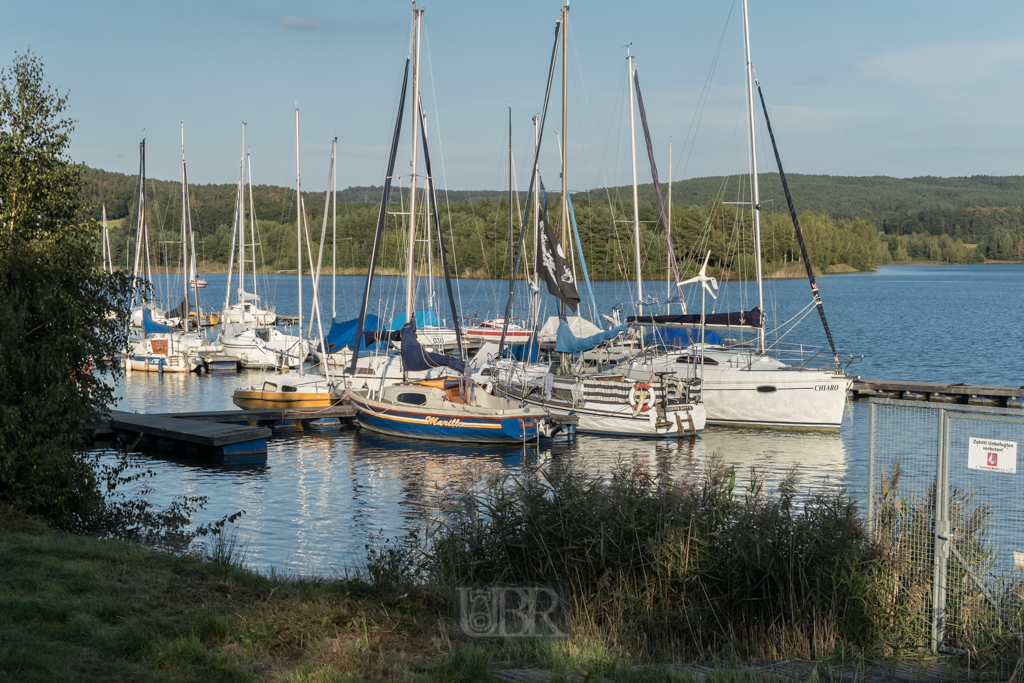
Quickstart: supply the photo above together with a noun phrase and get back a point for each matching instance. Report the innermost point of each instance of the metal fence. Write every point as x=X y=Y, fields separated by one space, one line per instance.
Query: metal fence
x=946 y=502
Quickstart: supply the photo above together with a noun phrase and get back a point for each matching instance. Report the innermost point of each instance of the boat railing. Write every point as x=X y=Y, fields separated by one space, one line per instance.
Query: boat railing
x=813 y=357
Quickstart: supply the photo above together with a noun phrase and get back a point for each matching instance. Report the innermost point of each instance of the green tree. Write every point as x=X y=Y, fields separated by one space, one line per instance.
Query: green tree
x=60 y=312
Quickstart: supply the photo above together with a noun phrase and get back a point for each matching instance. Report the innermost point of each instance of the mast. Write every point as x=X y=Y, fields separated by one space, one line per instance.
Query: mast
x=241 y=228
x=298 y=231
x=565 y=124
x=184 y=228
x=636 y=203
x=510 y=218
x=252 y=227
x=536 y=228
x=140 y=218
x=668 y=225
x=108 y=256
x=334 y=238
x=410 y=268
x=234 y=234
x=755 y=198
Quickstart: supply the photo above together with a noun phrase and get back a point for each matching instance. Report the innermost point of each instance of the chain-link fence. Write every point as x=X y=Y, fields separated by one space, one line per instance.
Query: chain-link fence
x=947 y=507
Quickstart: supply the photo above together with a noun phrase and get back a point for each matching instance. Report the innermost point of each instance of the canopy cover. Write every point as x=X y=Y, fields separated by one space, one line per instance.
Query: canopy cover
x=751 y=318
x=343 y=334
x=150 y=327
x=415 y=358
x=569 y=343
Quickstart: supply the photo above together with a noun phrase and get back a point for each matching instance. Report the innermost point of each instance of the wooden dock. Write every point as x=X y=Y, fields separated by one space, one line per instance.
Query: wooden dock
x=232 y=436
x=935 y=392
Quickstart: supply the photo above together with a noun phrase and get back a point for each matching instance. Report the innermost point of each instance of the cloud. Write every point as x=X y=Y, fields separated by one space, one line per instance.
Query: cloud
x=298 y=22
x=950 y=69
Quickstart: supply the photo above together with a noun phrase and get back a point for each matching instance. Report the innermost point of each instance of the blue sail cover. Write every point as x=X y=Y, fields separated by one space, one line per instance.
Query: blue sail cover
x=567 y=342
x=344 y=333
x=679 y=338
x=415 y=358
x=150 y=327
x=423 y=319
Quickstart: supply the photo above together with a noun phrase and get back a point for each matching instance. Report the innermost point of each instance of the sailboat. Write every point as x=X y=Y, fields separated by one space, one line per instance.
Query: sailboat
x=162 y=348
x=248 y=332
x=752 y=385
x=294 y=388
x=443 y=409
x=625 y=401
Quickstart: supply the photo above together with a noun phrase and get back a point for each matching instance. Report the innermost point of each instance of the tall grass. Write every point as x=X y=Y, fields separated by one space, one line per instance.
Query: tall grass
x=694 y=567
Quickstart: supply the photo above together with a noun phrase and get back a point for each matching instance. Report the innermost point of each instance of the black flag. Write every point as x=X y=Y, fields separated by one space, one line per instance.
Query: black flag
x=556 y=271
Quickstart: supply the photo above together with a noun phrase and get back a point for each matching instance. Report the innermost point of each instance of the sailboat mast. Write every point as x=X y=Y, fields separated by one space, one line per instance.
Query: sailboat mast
x=139 y=219
x=298 y=230
x=511 y=257
x=668 y=276
x=636 y=203
x=755 y=197
x=241 y=227
x=184 y=228
x=252 y=226
x=565 y=137
x=536 y=227
x=108 y=258
x=334 y=237
x=410 y=268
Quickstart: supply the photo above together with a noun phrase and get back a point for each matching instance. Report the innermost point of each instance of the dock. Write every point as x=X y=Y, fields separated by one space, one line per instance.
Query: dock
x=936 y=392
x=231 y=436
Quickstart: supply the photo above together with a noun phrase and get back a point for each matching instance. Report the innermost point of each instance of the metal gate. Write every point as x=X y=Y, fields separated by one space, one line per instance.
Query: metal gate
x=946 y=503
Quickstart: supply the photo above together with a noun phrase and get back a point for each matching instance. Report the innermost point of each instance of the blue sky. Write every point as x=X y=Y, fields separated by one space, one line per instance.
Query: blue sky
x=865 y=88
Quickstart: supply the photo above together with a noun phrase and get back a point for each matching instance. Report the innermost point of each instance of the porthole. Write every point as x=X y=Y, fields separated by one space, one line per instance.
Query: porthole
x=766 y=389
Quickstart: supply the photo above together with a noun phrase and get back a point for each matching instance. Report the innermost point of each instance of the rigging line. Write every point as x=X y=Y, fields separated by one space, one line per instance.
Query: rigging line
x=698 y=114
x=796 y=227
x=444 y=175
x=529 y=195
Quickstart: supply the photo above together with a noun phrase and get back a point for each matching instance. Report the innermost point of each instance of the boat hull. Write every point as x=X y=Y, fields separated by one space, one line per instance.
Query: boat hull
x=173 y=363
x=276 y=400
x=445 y=425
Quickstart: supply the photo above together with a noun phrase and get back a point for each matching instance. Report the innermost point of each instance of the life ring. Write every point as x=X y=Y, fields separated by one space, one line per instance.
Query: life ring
x=641 y=398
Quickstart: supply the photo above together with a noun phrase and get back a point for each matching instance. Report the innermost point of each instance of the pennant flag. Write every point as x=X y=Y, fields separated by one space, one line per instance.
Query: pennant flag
x=557 y=274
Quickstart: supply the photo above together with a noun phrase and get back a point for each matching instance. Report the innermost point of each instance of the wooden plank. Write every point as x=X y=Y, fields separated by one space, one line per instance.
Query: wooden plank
x=210 y=434
x=344 y=410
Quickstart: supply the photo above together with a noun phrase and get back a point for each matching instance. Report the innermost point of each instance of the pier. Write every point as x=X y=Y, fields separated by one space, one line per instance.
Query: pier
x=937 y=392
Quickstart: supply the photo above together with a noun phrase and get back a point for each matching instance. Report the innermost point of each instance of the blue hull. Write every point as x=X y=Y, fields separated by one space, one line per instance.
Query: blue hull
x=425 y=425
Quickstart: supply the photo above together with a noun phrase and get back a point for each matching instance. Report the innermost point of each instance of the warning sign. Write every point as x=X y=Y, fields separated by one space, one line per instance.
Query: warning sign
x=992 y=454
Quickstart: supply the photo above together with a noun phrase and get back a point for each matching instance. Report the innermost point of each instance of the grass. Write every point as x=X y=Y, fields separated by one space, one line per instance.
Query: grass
x=660 y=572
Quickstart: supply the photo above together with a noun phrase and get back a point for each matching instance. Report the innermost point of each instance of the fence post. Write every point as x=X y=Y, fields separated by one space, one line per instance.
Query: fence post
x=871 y=470
x=941 y=546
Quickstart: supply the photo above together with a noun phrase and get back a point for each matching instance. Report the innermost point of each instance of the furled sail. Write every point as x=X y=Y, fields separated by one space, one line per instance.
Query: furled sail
x=567 y=342
x=751 y=318
x=415 y=358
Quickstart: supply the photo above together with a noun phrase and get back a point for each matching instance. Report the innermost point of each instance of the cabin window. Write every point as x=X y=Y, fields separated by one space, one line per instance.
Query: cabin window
x=291 y=389
x=364 y=371
x=263 y=334
x=269 y=386
x=766 y=389
x=412 y=399
x=486 y=372
x=696 y=360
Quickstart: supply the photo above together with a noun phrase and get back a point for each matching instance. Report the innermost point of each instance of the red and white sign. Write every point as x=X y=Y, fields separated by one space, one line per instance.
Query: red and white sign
x=992 y=455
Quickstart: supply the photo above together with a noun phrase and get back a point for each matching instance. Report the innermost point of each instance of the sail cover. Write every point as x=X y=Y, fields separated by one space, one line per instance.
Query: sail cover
x=557 y=274
x=150 y=327
x=569 y=343
x=423 y=319
x=181 y=310
x=751 y=318
x=415 y=358
x=344 y=333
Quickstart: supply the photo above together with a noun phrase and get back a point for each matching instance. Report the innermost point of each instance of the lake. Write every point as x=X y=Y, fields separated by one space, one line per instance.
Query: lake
x=321 y=496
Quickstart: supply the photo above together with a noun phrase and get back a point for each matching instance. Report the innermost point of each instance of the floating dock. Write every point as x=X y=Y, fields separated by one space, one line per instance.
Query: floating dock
x=230 y=442
x=936 y=392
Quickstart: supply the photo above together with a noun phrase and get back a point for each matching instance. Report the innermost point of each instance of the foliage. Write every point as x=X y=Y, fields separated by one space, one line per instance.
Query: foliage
x=61 y=317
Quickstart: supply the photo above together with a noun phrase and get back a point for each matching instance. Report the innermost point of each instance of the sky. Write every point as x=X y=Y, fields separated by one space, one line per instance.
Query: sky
x=853 y=88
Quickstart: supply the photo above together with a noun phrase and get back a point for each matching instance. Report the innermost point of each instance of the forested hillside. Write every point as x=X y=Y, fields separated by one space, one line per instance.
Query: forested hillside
x=855 y=222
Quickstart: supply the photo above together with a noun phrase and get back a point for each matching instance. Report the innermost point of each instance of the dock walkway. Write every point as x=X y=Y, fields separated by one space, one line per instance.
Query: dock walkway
x=937 y=392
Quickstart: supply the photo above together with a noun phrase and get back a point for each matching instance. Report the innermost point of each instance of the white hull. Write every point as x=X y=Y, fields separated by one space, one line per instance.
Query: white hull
x=177 y=362
x=277 y=350
x=746 y=390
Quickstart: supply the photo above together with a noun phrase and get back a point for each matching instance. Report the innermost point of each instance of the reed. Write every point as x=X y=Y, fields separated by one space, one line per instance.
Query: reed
x=691 y=568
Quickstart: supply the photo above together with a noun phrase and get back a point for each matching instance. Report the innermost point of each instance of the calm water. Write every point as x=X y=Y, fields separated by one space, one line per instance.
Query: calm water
x=319 y=498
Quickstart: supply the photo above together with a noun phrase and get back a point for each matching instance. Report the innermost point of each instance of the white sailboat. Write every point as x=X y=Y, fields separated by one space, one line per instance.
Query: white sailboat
x=247 y=328
x=757 y=385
